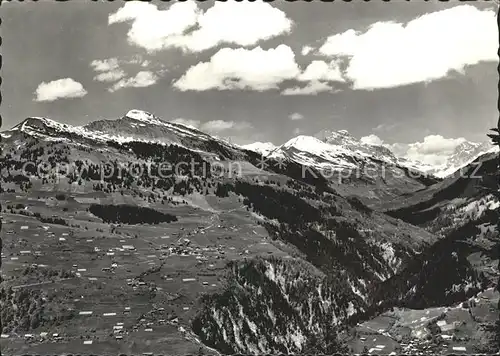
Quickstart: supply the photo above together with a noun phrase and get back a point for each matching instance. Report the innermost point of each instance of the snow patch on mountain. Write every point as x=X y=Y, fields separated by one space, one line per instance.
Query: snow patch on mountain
x=264 y=148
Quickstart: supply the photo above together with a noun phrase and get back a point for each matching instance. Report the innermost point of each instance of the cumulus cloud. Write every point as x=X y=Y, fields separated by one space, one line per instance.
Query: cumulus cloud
x=392 y=54
x=217 y=126
x=187 y=122
x=312 y=88
x=184 y=25
x=111 y=76
x=372 y=140
x=296 y=116
x=433 y=150
x=140 y=80
x=306 y=50
x=104 y=65
x=59 y=89
x=320 y=70
x=255 y=69
x=435 y=145
x=110 y=70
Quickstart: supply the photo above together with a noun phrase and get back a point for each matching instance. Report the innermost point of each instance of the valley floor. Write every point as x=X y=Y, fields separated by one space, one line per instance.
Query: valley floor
x=129 y=288
x=102 y=288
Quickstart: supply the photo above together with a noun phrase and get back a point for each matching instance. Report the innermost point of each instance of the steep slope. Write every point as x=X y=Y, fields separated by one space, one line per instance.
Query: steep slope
x=462 y=211
x=342 y=138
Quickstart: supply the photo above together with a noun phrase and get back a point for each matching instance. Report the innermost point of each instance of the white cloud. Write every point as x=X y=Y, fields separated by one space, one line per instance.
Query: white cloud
x=104 y=65
x=312 y=88
x=320 y=70
x=372 y=140
x=306 y=50
x=140 y=80
x=255 y=69
x=436 y=144
x=111 y=76
x=152 y=28
x=216 y=126
x=433 y=150
x=59 y=89
x=187 y=122
x=184 y=25
x=296 y=116
x=392 y=54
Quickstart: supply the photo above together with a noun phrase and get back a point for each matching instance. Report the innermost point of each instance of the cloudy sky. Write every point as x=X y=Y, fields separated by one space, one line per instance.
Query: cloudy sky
x=398 y=72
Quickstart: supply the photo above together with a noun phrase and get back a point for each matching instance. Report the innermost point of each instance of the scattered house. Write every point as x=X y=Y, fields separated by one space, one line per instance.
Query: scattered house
x=447 y=327
x=87 y=342
x=118 y=327
x=188 y=279
x=205 y=283
x=459 y=348
x=148 y=329
x=82 y=270
x=55 y=335
x=128 y=247
x=127 y=309
x=43 y=334
x=92 y=279
x=29 y=336
x=14 y=258
x=110 y=253
x=24 y=227
x=62 y=239
x=185 y=308
x=85 y=313
x=108 y=314
x=114 y=265
x=4 y=336
x=441 y=323
x=118 y=337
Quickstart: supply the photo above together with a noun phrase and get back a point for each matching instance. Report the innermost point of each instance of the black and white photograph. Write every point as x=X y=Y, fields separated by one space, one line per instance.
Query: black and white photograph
x=249 y=177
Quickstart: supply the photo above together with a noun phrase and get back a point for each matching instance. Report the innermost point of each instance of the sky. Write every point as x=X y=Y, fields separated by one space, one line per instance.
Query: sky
x=401 y=73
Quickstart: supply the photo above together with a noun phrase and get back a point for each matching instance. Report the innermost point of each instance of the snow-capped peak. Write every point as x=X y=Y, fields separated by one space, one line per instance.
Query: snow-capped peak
x=264 y=148
x=144 y=116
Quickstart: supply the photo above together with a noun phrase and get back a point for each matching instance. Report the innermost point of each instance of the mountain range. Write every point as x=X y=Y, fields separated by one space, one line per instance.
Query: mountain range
x=302 y=247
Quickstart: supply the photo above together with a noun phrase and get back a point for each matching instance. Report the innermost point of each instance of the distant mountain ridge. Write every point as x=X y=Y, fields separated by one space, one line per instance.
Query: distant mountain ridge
x=341 y=141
